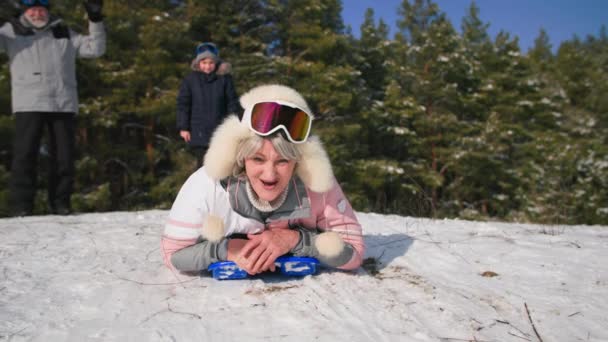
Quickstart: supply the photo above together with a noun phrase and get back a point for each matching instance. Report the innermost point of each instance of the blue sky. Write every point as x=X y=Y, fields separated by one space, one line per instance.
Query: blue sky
x=523 y=18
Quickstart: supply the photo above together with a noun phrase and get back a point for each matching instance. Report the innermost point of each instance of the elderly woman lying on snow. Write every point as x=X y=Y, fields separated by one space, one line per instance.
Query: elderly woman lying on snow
x=266 y=189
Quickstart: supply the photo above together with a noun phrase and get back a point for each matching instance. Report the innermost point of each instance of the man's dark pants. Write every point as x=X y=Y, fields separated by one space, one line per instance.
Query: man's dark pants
x=29 y=127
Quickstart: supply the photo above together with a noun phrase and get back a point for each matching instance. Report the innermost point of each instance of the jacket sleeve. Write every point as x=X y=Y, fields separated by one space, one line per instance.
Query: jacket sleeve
x=335 y=214
x=184 y=106
x=4 y=36
x=91 y=45
x=233 y=105
x=185 y=220
x=199 y=256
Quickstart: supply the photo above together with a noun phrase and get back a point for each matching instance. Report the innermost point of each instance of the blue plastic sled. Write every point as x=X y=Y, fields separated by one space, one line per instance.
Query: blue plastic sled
x=286 y=265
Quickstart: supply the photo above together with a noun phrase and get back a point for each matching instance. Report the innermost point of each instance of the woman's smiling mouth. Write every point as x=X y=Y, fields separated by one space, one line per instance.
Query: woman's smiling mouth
x=269 y=185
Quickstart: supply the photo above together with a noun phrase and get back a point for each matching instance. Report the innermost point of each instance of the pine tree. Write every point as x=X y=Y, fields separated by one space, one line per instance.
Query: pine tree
x=540 y=54
x=417 y=19
x=578 y=163
x=373 y=48
x=597 y=100
x=574 y=69
x=310 y=47
x=412 y=129
x=474 y=30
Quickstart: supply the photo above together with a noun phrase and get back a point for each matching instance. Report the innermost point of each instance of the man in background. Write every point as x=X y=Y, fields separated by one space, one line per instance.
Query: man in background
x=42 y=54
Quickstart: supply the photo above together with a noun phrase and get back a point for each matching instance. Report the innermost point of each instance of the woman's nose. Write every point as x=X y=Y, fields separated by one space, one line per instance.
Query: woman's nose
x=269 y=171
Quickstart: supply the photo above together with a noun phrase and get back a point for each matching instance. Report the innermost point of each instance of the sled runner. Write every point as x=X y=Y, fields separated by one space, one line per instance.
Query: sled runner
x=286 y=265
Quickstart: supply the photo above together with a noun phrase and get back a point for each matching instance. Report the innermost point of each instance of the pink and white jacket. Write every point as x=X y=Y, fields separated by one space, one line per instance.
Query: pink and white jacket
x=201 y=196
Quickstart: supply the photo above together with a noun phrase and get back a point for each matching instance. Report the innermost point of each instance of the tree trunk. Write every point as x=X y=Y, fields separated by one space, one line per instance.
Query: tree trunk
x=434 y=166
x=149 y=143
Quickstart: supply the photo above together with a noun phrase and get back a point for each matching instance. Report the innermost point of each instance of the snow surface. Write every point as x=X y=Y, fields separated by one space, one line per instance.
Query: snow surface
x=99 y=277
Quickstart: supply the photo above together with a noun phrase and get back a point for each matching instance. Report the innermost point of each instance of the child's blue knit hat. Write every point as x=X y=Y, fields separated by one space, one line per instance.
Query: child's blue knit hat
x=206 y=50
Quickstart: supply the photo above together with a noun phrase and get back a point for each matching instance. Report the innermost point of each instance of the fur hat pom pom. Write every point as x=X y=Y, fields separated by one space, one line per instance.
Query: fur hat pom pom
x=329 y=244
x=213 y=228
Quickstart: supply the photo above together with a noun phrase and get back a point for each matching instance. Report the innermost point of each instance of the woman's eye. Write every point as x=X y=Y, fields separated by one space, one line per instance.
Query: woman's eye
x=258 y=159
x=283 y=161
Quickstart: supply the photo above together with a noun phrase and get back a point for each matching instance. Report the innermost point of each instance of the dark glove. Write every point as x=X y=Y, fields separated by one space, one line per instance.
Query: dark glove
x=93 y=8
x=9 y=9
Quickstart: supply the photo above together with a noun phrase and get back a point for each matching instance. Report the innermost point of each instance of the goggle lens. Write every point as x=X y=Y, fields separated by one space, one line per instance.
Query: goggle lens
x=268 y=117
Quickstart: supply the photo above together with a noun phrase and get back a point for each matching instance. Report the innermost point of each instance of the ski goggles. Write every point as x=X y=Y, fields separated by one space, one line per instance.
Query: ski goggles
x=266 y=118
x=34 y=2
x=203 y=47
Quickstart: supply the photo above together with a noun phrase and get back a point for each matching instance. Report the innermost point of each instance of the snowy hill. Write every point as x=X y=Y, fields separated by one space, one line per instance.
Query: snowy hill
x=99 y=277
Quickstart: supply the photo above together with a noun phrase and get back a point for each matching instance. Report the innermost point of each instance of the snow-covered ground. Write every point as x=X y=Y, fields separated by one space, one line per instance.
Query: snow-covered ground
x=99 y=277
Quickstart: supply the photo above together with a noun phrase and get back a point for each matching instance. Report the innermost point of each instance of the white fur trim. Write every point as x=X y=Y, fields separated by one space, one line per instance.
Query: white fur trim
x=329 y=244
x=221 y=155
x=315 y=168
x=224 y=68
x=273 y=92
x=213 y=228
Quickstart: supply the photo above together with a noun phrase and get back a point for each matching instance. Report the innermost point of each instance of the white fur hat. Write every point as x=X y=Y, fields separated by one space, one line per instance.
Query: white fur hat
x=271 y=93
x=314 y=168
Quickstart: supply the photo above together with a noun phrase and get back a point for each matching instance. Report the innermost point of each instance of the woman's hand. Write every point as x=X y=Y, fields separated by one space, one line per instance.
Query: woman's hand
x=185 y=135
x=259 y=253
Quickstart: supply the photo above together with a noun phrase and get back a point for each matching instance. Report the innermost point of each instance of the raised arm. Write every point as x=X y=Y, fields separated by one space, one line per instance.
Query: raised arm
x=94 y=44
x=9 y=10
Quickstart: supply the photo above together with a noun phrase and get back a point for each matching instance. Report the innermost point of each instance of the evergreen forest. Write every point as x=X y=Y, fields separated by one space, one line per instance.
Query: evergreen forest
x=437 y=120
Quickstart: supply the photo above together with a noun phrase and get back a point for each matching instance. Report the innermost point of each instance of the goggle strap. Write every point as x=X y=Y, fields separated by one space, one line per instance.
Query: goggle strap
x=283 y=131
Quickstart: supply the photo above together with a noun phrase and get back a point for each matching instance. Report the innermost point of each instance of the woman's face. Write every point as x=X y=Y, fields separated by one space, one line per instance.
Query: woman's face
x=37 y=16
x=268 y=172
x=206 y=65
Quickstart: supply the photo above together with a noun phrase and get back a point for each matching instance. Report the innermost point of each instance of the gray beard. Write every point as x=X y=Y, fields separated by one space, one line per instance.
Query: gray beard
x=25 y=21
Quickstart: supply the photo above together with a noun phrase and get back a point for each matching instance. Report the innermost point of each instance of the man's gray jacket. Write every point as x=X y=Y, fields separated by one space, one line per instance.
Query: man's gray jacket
x=43 y=65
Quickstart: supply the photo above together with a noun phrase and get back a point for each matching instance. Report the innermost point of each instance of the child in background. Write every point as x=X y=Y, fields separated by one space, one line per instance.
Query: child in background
x=206 y=96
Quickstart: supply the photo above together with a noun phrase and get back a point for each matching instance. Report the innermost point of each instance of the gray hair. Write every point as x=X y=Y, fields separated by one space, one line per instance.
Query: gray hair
x=251 y=145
